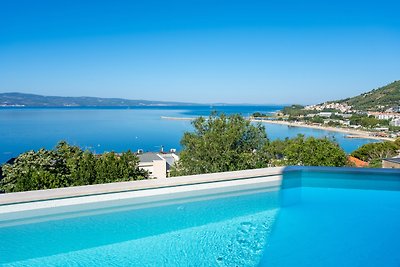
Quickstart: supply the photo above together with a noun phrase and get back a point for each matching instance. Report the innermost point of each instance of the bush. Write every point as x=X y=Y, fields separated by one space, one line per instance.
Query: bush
x=371 y=151
x=221 y=143
x=68 y=166
x=313 y=152
x=229 y=143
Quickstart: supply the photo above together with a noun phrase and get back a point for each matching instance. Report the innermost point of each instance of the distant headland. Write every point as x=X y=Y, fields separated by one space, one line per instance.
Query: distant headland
x=33 y=100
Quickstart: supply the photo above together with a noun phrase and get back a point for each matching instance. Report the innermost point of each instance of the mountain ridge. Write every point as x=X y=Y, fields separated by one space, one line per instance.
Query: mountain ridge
x=381 y=98
x=10 y=99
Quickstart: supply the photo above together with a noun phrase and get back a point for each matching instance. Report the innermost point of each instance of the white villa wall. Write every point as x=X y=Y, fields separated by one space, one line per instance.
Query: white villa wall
x=160 y=169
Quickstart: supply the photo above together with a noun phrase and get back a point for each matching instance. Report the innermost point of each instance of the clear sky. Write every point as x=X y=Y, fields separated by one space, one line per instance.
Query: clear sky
x=281 y=51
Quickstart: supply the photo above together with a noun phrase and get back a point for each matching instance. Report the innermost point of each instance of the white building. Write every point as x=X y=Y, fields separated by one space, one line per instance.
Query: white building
x=384 y=115
x=345 y=115
x=355 y=126
x=157 y=164
x=346 y=122
x=395 y=122
x=382 y=129
x=343 y=107
x=325 y=114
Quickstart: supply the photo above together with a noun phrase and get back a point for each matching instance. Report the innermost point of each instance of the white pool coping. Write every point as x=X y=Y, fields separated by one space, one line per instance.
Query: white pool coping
x=25 y=205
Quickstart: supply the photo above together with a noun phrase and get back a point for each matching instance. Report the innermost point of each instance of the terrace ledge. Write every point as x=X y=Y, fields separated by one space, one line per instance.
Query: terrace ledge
x=121 y=187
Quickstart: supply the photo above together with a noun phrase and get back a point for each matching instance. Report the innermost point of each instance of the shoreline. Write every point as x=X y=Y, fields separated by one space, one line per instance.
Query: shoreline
x=352 y=133
x=177 y=118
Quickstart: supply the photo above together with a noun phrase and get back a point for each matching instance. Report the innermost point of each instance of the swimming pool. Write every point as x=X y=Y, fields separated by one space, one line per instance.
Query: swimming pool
x=315 y=217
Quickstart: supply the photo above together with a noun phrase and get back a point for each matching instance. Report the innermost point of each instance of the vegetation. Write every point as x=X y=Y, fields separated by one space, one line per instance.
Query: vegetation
x=229 y=143
x=309 y=151
x=397 y=142
x=375 y=152
x=334 y=124
x=260 y=115
x=377 y=99
x=294 y=110
x=375 y=163
x=367 y=121
x=68 y=166
x=317 y=119
x=221 y=143
x=394 y=128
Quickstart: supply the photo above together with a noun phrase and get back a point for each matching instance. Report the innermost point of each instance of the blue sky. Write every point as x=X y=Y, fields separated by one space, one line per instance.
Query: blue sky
x=200 y=51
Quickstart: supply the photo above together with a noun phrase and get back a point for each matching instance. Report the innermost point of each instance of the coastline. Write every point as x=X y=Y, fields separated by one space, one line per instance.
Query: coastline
x=177 y=118
x=352 y=133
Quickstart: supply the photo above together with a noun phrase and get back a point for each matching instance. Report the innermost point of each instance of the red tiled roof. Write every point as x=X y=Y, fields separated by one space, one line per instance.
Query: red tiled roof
x=358 y=162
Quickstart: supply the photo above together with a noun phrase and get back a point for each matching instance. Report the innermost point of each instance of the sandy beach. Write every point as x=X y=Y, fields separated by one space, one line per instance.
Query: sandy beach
x=353 y=133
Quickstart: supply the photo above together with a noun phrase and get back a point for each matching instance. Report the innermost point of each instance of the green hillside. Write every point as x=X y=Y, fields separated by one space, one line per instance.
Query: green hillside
x=378 y=99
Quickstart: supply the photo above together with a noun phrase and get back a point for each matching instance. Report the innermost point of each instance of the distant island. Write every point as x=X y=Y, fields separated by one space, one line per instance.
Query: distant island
x=32 y=100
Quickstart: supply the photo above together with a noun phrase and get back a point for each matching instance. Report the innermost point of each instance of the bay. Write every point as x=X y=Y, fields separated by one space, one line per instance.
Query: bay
x=120 y=129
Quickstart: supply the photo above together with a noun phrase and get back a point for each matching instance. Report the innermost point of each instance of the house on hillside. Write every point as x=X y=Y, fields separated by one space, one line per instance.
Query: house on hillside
x=325 y=114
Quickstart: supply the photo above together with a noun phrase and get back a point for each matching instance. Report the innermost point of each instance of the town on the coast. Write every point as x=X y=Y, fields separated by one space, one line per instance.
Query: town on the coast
x=375 y=115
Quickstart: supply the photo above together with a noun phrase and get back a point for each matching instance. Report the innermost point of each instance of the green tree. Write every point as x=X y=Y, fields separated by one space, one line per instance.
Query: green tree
x=258 y=114
x=68 y=166
x=274 y=152
x=397 y=143
x=376 y=151
x=333 y=123
x=83 y=170
x=294 y=110
x=111 y=167
x=367 y=121
x=313 y=152
x=221 y=143
x=35 y=170
x=317 y=119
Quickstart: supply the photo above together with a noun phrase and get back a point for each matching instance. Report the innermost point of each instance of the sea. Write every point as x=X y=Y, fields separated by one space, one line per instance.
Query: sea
x=129 y=128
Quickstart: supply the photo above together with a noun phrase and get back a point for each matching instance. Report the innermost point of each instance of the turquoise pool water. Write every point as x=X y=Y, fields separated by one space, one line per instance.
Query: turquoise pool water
x=346 y=224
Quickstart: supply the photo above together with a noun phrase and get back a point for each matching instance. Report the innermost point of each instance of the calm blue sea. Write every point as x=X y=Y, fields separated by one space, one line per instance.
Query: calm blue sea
x=120 y=129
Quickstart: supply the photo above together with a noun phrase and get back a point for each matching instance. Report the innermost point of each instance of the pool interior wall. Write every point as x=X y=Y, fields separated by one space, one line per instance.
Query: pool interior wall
x=27 y=207
x=318 y=216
